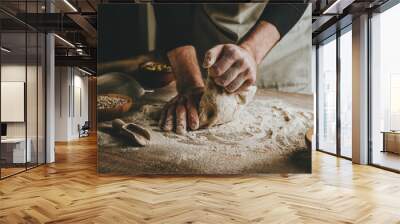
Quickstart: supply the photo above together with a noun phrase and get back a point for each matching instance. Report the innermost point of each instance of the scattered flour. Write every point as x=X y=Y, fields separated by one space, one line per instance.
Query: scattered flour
x=266 y=133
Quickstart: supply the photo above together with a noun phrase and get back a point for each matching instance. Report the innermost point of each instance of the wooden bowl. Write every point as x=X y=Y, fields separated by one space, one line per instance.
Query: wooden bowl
x=110 y=106
x=119 y=83
x=154 y=75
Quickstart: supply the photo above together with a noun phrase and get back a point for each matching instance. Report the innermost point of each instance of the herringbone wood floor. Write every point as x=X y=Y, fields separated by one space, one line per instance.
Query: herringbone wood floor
x=70 y=191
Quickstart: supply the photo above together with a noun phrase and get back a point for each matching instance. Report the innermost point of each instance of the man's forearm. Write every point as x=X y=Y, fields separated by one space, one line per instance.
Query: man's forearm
x=186 y=69
x=261 y=40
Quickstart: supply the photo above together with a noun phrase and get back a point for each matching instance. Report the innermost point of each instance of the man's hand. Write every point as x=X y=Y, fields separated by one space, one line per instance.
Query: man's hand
x=181 y=113
x=234 y=66
x=231 y=66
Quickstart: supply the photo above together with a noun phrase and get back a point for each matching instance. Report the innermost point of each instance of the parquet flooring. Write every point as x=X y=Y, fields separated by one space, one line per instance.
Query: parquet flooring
x=70 y=191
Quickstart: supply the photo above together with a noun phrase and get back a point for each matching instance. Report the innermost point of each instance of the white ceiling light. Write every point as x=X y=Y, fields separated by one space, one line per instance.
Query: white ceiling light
x=329 y=9
x=84 y=71
x=70 y=5
x=337 y=7
x=5 y=50
x=65 y=41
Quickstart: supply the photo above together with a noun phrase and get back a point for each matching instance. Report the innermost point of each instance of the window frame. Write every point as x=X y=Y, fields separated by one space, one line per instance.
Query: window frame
x=334 y=37
x=27 y=29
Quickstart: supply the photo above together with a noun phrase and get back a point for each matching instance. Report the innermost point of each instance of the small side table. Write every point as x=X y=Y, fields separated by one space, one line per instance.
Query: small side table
x=13 y=150
x=391 y=141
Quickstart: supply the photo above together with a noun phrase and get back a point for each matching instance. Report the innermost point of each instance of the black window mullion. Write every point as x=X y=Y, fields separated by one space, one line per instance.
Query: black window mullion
x=45 y=92
x=26 y=86
x=0 y=99
x=37 y=89
x=317 y=96
x=369 y=77
x=338 y=82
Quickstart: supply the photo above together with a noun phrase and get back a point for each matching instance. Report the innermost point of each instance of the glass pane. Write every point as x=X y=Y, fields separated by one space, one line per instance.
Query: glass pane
x=31 y=86
x=346 y=94
x=327 y=97
x=31 y=97
x=13 y=85
x=386 y=89
x=41 y=99
x=23 y=82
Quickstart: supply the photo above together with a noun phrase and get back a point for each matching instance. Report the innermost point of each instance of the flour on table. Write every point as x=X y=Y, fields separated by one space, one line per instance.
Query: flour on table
x=263 y=138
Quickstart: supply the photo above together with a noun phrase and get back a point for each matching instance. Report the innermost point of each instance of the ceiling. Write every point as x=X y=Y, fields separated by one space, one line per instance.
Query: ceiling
x=76 y=22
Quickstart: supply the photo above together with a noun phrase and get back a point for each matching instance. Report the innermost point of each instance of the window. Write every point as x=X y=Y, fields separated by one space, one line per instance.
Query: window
x=333 y=137
x=385 y=89
x=346 y=93
x=22 y=75
x=327 y=96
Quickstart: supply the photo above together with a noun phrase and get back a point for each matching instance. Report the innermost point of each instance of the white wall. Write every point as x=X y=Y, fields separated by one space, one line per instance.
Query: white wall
x=62 y=81
x=34 y=126
x=16 y=73
x=79 y=117
x=9 y=73
x=70 y=83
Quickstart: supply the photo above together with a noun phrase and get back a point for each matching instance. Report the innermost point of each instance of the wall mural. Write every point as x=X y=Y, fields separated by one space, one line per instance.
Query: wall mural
x=204 y=89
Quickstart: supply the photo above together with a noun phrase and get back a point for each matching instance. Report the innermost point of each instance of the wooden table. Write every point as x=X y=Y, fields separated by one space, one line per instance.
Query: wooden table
x=169 y=154
x=391 y=141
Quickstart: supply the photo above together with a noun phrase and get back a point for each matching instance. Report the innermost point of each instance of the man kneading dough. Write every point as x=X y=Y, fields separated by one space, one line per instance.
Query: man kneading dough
x=233 y=39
